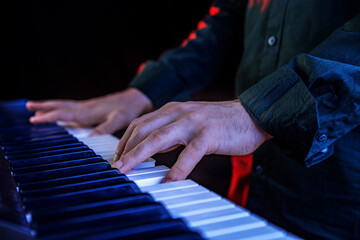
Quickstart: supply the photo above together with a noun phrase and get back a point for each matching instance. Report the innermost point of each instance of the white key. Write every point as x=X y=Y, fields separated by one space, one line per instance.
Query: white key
x=148 y=179
x=190 y=200
x=216 y=216
x=78 y=132
x=177 y=193
x=155 y=169
x=231 y=226
x=149 y=163
x=169 y=186
x=263 y=233
x=200 y=208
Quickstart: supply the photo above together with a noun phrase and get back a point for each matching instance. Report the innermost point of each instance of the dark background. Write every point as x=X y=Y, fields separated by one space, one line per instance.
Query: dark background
x=82 y=49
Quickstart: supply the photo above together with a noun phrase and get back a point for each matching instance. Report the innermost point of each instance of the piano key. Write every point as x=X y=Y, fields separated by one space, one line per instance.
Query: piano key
x=82 y=196
x=52 y=158
x=181 y=192
x=25 y=127
x=42 y=149
x=31 y=136
x=56 y=165
x=73 y=187
x=61 y=172
x=48 y=152
x=155 y=230
x=216 y=216
x=25 y=146
x=264 y=233
x=38 y=139
x=28 y=133
x=114 y=219
x=231 y=226
x=136 y=172
x=195 y=209
x=190 y=200
x=90 y=208
x=58 y=181
x=169 y=186
x=148 y=179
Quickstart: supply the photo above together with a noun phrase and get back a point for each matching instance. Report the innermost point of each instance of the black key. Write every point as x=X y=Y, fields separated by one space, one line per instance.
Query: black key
x=73 y=187
x=51 y=159
x=123 y=218
x=30 y=136
x=25 y=146
x=70 y=179
x=48 y=153
x=38 y=139
x=57 y=165
x=140 y=232
x=82 y=196
x=58 y=214
x=61 y=172
x=43 y=149
x=181 y=236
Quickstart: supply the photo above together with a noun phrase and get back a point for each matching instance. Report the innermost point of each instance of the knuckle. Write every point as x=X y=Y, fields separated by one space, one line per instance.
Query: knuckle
x=178 y=106
x=138 y=130
x=195 y=117
x=134 y=123
x=159 y=134
x=170 y=104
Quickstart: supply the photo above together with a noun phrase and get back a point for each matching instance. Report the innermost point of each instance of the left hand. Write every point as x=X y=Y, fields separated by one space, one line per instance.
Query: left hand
x=202 y=127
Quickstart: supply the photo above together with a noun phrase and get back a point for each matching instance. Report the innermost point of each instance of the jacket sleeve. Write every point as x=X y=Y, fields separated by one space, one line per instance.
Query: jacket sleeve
x=314 y=100
x=186 y=69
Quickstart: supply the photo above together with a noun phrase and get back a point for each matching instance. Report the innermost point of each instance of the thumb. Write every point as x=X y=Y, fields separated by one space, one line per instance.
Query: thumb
x=53 y=116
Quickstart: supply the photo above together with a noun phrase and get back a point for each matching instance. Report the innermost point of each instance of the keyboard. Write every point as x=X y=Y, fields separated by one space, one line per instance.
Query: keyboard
x=57 y=183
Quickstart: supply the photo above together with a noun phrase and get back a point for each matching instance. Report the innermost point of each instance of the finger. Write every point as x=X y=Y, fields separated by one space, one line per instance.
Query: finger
x=159 y=140
x=53 y=116
x=139 y=129
x=111 y=125
x=48 y=105
x=147 y=127
x=186 y=161
x=39 y=113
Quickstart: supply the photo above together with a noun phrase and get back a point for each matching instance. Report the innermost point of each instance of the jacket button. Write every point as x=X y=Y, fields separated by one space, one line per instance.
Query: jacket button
x=322 y=138
x=259 y=169
x=271 y=41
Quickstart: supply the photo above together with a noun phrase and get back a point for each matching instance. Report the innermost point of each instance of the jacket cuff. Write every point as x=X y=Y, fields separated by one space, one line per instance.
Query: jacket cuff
x=151 y=82
x=283 y=107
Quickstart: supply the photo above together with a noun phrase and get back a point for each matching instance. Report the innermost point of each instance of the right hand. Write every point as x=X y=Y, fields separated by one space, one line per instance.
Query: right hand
x=111 y=112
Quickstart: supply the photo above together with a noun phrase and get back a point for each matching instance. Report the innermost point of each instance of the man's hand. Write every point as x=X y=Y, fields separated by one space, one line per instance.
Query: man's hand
x=112 y=112
x=202 y=127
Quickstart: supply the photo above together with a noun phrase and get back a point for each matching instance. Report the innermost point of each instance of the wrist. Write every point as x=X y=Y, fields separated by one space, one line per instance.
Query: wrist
x=139 y=100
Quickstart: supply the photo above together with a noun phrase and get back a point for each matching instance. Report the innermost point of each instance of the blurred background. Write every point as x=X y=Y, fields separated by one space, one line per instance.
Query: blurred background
x=82 y=49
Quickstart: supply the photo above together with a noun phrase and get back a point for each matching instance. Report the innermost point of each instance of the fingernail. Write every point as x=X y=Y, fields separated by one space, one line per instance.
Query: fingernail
x=117 y=164
x=116 y=157
x=166 y=180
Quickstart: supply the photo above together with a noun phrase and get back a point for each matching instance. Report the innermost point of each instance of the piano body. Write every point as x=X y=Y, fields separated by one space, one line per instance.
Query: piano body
x=57 y=183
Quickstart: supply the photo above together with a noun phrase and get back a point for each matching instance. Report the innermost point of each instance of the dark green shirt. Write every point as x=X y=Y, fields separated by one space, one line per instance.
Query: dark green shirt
x=299 y=78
